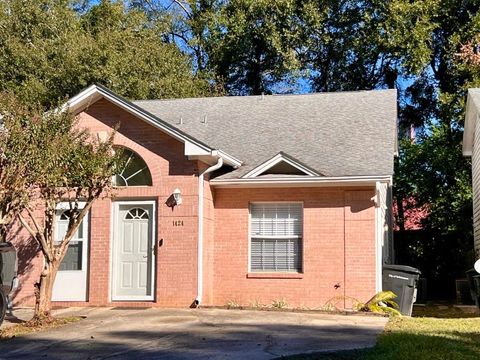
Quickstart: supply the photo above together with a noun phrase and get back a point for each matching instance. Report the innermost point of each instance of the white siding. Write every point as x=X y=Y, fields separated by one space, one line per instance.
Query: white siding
x=383 y=229
x=384 y=191
x=476 y=188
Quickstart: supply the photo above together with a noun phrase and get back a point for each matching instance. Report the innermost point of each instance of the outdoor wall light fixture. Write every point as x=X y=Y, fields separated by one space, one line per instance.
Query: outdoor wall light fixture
x=177 y=196
x=174 y=199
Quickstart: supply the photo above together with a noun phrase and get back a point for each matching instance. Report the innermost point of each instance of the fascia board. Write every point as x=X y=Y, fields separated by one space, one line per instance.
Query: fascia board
x=313 y=181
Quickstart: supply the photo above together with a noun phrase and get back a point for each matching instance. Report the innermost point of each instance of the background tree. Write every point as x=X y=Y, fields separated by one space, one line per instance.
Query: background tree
x=248 y=46
x=432 y=168
x=252 y=45
x=359 y=45
x=48 y=51
x=291 y=46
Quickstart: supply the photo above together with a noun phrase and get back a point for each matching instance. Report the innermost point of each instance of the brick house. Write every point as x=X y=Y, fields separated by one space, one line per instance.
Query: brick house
x=233 y=199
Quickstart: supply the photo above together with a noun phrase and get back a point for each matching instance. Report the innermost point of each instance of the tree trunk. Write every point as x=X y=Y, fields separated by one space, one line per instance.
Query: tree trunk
x=43 y=292
x=400 y=214
x=3 y=233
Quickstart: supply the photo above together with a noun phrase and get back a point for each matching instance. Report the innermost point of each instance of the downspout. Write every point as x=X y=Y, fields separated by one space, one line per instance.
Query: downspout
x=378 y=237
x=218 y=165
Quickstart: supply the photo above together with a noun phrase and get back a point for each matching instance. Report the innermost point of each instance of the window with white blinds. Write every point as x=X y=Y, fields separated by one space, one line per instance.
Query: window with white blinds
x=276 y=233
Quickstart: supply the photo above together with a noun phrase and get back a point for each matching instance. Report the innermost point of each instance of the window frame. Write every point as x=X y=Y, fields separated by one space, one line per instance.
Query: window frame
x=135 y=153
x=62 y=207
x=256 y=273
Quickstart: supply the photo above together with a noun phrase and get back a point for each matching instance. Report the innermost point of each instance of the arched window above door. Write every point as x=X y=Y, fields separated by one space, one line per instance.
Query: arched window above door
x=136 y=214
x=133 y=171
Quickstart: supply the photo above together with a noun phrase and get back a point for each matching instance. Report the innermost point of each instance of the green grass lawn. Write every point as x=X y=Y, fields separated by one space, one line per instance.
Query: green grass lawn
x=425 y=338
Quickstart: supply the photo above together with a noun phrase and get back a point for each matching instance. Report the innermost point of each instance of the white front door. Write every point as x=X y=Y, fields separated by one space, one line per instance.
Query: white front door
x=133 y=252
x=71 y=281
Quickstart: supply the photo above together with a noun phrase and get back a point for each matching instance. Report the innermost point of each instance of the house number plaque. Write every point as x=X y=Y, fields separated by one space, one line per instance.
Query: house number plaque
x=177 y=222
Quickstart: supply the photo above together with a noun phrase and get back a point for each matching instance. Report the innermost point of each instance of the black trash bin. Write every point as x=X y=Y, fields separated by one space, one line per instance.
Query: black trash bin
x=473 y=278
x=402 y=281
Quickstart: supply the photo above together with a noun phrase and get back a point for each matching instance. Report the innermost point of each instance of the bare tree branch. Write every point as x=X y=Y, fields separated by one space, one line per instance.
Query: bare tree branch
x=37 y=236
x=184 y=8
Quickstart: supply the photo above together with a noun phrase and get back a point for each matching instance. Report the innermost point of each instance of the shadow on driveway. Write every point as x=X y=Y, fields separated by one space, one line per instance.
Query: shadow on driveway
x=194 y=334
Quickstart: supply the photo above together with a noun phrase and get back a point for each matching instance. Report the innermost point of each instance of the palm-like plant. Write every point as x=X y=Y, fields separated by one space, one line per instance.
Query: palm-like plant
x=382 y=303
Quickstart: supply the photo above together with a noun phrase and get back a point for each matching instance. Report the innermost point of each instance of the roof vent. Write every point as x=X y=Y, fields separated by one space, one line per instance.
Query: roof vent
x=204 y=121
x=181 y=121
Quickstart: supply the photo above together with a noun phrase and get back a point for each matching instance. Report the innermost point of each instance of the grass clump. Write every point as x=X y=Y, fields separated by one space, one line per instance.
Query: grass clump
x=233 y=304
x=280 y=303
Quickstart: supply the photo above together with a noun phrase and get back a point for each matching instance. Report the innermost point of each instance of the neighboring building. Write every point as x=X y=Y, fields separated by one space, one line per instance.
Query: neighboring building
x=278 y=197
x=471 y=148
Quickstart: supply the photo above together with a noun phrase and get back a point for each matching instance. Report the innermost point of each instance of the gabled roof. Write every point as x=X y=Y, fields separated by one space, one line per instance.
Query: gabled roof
x=471 y=115
x=333 y=134
x=281 y=164
x=193 y=146
x=326 y=135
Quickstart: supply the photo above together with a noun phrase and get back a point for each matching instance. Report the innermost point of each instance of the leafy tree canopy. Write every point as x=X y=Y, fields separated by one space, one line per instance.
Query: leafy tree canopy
x=49 y=51
x=254 y=46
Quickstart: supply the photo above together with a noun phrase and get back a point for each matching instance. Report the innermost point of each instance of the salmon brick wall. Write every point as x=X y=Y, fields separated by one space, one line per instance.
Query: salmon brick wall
x=30 y=262
x=176 y=265
x=338 y=243
x=208 y=243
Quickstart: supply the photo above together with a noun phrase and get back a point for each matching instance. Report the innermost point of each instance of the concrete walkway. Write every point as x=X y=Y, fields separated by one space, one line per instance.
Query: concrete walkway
x=119 y=333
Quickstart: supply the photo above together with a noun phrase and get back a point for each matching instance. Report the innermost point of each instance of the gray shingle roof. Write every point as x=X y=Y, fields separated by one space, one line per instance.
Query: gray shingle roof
x=336 y=134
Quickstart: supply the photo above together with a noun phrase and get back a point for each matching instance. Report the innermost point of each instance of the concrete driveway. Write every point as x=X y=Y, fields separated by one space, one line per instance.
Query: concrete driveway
x=119 y=333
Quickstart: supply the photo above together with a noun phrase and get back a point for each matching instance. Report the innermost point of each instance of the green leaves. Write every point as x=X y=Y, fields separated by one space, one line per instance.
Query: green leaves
x=14 y=161
x=252 y=45
x=382 y=302
x=256 y=46
x=53 y=157
x=49 y=52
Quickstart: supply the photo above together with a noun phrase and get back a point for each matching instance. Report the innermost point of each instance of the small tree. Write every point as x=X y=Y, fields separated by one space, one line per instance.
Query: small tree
x=63 y=164
x=15 y=149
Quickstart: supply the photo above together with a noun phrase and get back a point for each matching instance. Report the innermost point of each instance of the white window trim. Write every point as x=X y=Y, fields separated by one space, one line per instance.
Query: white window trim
x=65 y=205
x=133 y=153
x=307 y=181
x=249 y=267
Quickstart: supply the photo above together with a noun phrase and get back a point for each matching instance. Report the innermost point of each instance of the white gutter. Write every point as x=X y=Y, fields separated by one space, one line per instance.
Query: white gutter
x=228 y=159
x=301 y=181
x=218 y=165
